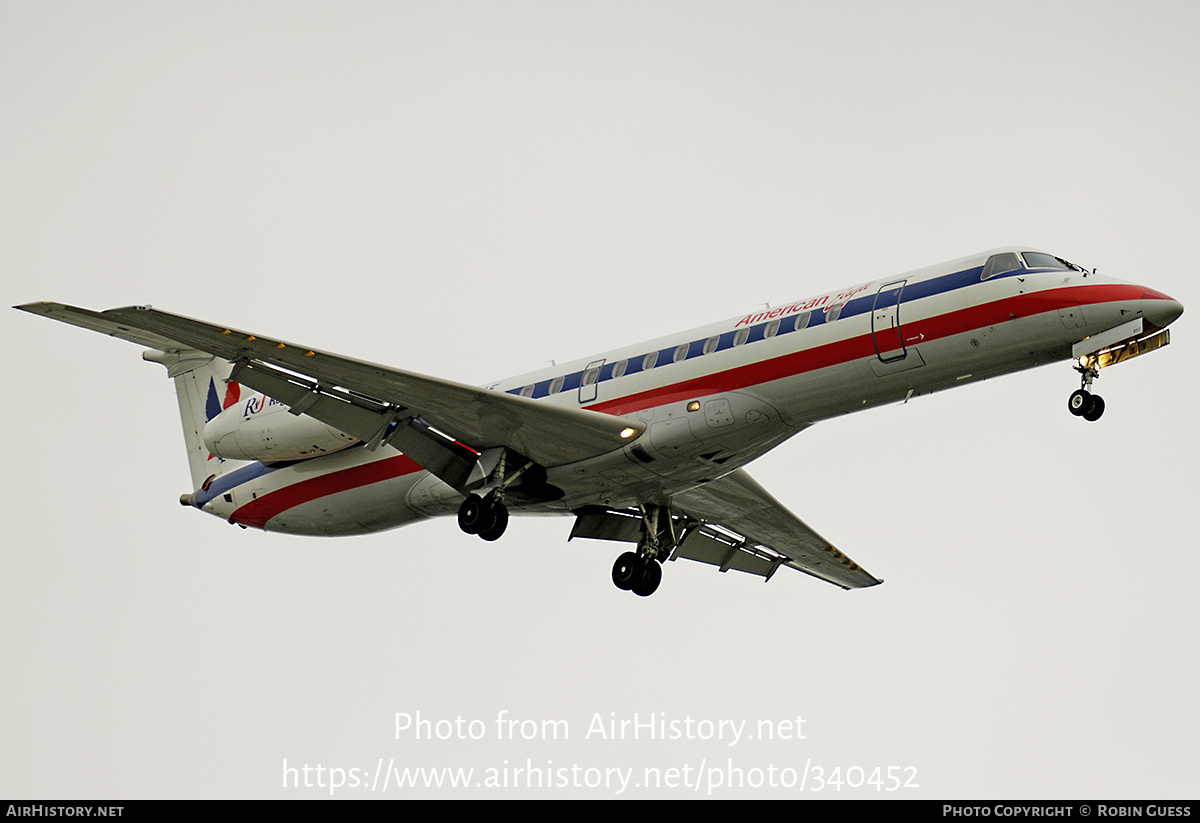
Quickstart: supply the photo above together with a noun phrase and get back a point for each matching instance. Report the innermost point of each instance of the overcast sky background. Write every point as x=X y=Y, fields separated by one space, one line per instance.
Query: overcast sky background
x=471 y=189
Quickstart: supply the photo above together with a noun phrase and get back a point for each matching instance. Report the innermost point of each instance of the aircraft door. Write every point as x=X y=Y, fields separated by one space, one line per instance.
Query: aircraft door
x=589 y=381
x=885 y=322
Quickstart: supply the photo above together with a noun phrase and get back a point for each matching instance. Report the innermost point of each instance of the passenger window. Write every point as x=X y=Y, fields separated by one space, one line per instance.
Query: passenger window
x=556 y=385
x=710 y=345
x=589 y=376
x=619 y=369
x=999 y=264
x=833 y=312
x=527 y=391
x=802 y=320
x=650 y=361
x=681 y=352
x=772 y=329
x=740 y=337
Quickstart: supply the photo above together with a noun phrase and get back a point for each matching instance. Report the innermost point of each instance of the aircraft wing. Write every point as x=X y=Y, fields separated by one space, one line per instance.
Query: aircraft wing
x=101 y=322
x=747 y=529
x=372 y=402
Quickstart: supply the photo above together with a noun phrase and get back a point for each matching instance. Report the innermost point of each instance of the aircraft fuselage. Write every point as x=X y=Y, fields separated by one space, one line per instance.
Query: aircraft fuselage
x=717 y=397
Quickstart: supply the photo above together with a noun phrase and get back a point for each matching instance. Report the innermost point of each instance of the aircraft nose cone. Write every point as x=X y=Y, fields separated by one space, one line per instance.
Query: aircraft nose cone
x=1161 y=310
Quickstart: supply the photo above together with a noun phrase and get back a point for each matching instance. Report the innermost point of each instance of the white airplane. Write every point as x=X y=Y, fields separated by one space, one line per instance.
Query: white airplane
x=645 y=444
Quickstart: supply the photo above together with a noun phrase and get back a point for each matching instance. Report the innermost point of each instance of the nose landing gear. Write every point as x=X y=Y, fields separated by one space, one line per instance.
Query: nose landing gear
x=1082 y=403
x=1086 y=405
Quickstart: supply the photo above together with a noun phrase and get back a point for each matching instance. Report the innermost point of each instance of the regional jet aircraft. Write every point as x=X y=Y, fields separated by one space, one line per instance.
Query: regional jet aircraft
x=646 y=444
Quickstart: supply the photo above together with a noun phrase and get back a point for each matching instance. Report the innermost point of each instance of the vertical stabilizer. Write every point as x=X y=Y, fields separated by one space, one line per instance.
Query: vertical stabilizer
x=203 y=389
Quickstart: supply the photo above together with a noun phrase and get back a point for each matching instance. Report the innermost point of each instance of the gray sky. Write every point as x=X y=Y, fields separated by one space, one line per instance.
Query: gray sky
x=472 y=189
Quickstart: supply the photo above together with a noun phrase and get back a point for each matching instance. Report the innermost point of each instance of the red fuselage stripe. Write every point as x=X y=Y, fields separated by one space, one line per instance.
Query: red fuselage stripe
x=259 y=511
x=853 y=348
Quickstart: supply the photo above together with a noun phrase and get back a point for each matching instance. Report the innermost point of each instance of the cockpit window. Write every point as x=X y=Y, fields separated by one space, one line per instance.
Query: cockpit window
x=1041 y=260
x=1000 y=263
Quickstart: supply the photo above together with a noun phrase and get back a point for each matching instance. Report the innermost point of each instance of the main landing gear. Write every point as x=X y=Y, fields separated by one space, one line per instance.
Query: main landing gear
x=484 y=516
x=1082 y=403
x=640 y=572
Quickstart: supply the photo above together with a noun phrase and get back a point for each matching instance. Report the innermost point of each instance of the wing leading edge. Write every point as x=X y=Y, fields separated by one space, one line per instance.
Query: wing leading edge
x=371 y=402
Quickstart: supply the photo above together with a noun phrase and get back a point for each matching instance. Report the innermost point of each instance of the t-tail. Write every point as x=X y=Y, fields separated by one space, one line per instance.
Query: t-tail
x=203 y=389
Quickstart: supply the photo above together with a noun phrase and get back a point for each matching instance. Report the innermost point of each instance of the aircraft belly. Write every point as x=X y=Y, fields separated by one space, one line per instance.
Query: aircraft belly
x=372 y=508
x=981 y=353
x=349 y=492
x=431 y=497
x=673 y=438
x=679 y=450
x=929 y=365
x=911 y=359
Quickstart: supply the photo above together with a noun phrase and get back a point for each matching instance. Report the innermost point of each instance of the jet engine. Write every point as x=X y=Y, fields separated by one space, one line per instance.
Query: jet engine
x=259 y=428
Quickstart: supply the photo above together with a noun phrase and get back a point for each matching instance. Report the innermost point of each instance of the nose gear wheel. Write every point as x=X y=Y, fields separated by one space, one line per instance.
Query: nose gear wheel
x=1082 y=403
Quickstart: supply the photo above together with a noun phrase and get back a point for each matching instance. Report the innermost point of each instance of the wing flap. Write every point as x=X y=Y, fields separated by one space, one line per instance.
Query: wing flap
x=362 y=398
x=708 y=545
x=761 y=528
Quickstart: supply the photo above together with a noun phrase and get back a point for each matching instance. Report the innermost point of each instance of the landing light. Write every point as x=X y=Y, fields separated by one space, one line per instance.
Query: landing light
x=694 y=406
x=628 y=432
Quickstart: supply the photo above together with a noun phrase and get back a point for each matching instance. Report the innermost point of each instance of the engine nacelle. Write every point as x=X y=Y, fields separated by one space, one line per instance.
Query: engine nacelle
x=259 y=428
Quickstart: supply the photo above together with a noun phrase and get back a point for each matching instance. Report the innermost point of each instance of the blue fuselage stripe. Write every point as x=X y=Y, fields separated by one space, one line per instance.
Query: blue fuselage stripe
x=786 y=324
